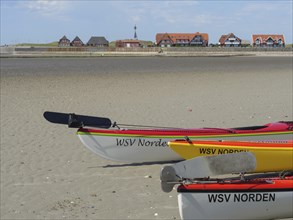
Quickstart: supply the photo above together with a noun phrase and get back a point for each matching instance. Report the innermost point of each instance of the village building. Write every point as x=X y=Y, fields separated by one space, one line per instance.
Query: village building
x=229 y=40
x=76 y=42
x=64 y=42
x=182 y=39
x=128 y=43
x=98 y=42
x=164 y=40
x=268 y=40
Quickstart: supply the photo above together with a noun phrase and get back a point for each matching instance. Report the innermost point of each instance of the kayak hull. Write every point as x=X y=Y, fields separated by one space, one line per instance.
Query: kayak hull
x=270 y=199
x=270 y=156
x=151 y=145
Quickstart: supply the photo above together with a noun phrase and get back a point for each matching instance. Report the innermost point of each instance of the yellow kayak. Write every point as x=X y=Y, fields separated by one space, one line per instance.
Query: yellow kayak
x=270 y=156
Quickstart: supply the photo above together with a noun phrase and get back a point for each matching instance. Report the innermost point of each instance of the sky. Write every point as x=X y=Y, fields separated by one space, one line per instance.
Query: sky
x=45 y=21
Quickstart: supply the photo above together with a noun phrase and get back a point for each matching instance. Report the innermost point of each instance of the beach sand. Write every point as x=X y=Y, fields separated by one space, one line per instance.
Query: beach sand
x=46 y=173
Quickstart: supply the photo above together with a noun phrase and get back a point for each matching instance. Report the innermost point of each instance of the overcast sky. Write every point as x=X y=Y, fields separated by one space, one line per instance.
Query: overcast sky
x=44 y=21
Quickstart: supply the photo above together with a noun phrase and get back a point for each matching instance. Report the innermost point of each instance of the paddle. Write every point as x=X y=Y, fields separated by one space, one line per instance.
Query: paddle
x=77 y=121
x=206 y=166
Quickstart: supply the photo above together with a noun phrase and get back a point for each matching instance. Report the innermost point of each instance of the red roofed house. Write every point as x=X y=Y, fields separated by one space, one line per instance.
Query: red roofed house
x=128 y=43
x=229 y=40
x=182 y=39
x=268 y=40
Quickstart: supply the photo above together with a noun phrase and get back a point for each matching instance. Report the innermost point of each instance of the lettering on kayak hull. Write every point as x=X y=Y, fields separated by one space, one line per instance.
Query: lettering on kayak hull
x=241 y=197
x=140 y=142
x=211 y=151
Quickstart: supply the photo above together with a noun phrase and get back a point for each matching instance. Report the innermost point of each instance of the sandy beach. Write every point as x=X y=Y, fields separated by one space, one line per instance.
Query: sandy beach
x=46 y=172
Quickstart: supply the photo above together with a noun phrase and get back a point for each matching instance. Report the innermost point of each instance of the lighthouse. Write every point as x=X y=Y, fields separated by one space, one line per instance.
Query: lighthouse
x=135 y=35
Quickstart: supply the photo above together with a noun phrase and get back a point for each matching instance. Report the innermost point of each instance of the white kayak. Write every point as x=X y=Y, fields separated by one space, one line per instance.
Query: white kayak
x=151 y=145
x=266 y=198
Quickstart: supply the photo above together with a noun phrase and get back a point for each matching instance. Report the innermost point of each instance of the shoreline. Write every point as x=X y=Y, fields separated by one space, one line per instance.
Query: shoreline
x=145 y=55
x=32 y=52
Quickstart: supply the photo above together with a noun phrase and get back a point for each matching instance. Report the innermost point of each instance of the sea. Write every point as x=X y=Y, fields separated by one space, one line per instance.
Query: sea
x=151 y=65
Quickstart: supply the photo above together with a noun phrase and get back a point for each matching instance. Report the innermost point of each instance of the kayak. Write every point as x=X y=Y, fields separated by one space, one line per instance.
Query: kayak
x=151 y=144
x=140 y=144
x=204 y=167
x=270 y=155
x=264 y=198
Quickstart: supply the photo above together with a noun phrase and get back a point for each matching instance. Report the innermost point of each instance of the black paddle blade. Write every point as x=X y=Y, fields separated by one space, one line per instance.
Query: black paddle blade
x=77 y=121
